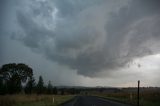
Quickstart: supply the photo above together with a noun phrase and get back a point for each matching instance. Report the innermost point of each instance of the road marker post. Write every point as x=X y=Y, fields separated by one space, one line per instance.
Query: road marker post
x=53 y=100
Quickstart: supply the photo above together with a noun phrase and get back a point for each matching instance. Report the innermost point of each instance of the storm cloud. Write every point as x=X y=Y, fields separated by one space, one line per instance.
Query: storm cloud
x=90 y=36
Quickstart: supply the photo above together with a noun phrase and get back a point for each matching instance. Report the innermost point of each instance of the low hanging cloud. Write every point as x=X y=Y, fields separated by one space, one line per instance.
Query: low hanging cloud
x=90 y=36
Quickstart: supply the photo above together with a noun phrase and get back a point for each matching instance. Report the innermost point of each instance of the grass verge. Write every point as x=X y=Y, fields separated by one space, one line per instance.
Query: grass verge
x=33 y=100
x=146 y=98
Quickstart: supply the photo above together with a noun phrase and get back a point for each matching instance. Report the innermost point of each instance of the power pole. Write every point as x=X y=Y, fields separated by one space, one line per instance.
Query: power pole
x=138 y=93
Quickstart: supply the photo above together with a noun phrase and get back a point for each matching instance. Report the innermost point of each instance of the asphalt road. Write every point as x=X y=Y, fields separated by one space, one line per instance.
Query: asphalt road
x=92 y=101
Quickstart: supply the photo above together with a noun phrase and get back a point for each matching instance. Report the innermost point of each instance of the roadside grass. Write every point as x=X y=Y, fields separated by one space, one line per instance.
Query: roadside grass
x=146 y=98
x=33 y=100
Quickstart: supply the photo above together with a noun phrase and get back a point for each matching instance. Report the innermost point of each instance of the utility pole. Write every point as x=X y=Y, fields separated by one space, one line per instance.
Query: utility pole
x=138 y=93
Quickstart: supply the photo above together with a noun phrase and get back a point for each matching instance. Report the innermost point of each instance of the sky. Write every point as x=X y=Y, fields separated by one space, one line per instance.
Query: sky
x=83 y=42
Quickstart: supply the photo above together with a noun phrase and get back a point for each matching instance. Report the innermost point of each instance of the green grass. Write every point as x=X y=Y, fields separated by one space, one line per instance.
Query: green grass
x=33 y=100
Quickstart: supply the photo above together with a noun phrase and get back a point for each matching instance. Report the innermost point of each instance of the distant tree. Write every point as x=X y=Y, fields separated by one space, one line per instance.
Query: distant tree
x=13 y=75
x=40 y=85
x=62 y=91
x=49 y=88
x=30 y=85
x=55 y=91
x=72 y=91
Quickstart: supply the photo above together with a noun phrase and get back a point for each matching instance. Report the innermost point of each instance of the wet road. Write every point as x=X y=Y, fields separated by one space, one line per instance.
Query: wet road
x=92 y=101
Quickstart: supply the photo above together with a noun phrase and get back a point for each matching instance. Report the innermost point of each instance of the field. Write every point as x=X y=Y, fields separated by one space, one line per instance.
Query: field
x=33 y=100
x=147 y=98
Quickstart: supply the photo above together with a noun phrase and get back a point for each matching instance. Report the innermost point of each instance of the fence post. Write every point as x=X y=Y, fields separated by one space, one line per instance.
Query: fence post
x=138 y=93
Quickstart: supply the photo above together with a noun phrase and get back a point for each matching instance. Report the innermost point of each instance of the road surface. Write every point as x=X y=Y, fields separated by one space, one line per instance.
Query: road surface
x=92 y=101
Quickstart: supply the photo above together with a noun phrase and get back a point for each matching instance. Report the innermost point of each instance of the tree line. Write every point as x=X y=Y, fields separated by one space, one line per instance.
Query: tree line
x=18 y=78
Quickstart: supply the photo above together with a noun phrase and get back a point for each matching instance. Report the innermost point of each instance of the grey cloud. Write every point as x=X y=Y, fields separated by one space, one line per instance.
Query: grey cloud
x=70 y=8
x=33 y=34
x=137 y=12
x=92 y=36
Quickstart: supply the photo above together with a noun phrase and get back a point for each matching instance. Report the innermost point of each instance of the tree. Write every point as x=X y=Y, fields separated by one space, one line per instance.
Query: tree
x=40 y=85
x=49 y=88
x=55 y=91
x=2 y=87
x=30 y=86
x=14 y=74
x=14 y=84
